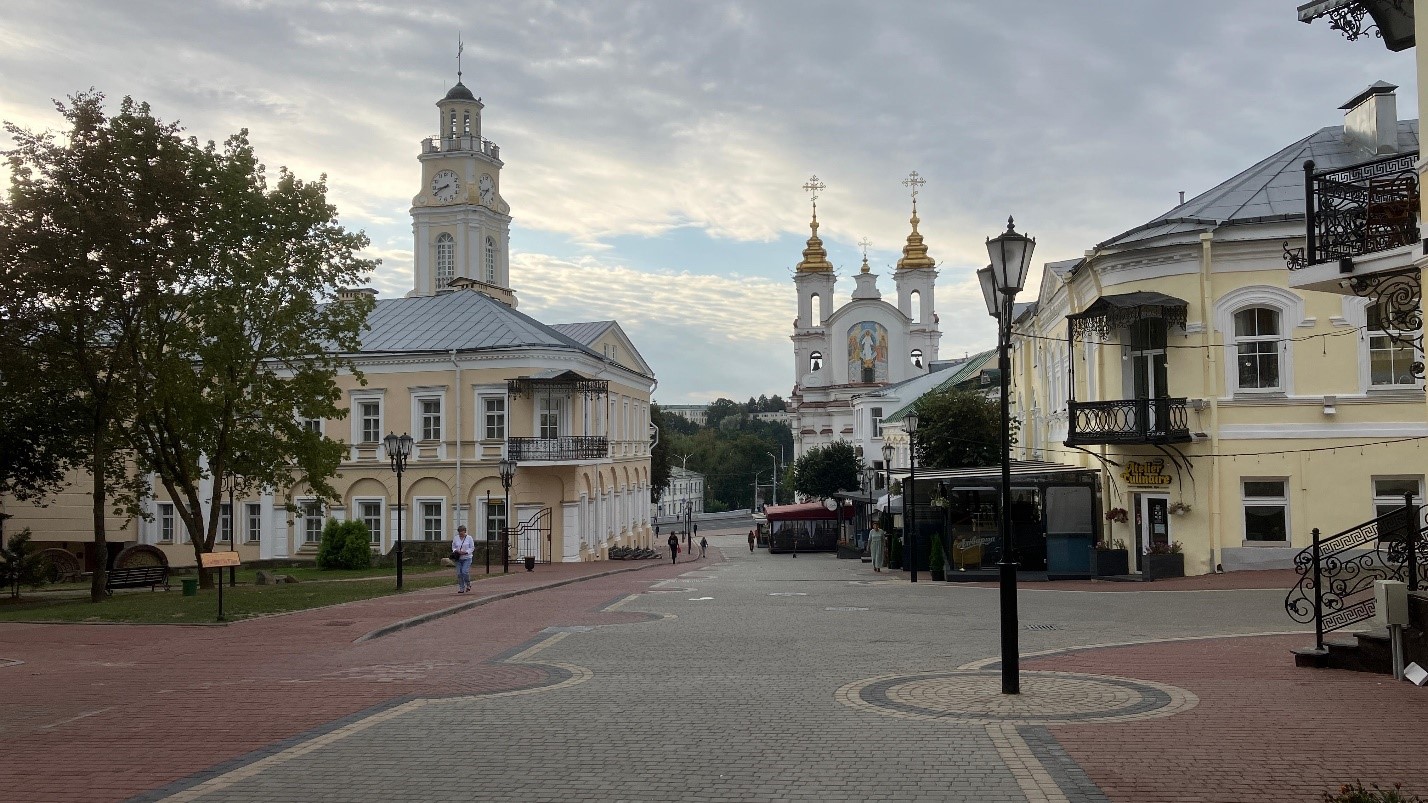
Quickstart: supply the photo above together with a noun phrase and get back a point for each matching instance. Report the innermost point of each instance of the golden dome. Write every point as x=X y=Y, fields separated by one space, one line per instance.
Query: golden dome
x=914 y=254
x=815 y=258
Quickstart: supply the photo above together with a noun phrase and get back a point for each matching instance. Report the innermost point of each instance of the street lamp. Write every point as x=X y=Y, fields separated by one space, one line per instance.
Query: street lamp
x=775 y=476
x=1010 y=253
x=909 y=497
x=399 y=449
x=508 y=473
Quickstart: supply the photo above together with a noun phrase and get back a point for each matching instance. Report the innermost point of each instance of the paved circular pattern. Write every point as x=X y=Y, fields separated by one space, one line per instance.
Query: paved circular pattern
x=975 y=697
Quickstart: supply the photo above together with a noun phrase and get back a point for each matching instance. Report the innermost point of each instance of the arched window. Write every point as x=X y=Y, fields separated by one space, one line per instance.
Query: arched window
x=466 y=123
x=914 y=303
x=452 y=131
x=815 y=361
x=917 y=358
x=491 y=260
x=815 y=308
x=1257 y=348
x=445 y=260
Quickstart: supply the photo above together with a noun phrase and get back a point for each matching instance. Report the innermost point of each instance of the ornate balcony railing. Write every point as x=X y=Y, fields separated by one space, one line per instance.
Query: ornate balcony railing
x=1370 y=207
x=573 y=447
x=1159 y=420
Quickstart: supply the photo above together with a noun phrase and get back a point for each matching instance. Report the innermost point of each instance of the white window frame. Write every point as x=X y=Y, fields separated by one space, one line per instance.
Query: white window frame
x=357 y=400
x=225 y=523
x=444 y=259
x=556 y=406
x=1291 y=316
x=167 y=521
x=875 y=418
x=1395 y=346
x=1247 y=501
x=310 y=424
x=359 y=508
x=420 y=398
x=487 y=515
x=253 y=521
x=419 y=508
x=490 y=255
x=1274 y=340
x=1396 y=500
x=484 y=426
x=305 y=518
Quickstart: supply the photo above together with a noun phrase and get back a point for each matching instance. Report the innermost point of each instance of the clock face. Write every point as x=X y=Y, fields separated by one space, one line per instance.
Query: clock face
x=487 y=185
x=445 y=185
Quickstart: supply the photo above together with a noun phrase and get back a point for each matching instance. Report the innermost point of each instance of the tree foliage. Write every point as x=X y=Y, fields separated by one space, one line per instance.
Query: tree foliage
x=21 y=564
x=732 y=450
x=825 y=470
x=959 y=429
x=659 y=453
x=183 y=305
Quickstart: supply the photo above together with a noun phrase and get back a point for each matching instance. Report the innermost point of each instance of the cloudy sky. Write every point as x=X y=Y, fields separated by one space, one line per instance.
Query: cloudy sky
x=655 y=151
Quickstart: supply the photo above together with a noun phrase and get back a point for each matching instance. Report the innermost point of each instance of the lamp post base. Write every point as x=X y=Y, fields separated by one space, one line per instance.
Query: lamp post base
x=1011 y=661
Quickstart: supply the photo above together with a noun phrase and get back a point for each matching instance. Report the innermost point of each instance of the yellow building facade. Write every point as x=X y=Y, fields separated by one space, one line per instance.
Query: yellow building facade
x=1231 y=405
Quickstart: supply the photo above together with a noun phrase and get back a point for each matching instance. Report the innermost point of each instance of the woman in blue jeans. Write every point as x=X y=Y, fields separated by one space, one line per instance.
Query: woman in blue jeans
x=464 y=547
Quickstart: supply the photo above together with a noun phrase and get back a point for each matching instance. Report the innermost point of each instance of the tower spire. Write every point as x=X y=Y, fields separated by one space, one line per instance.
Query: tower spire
x=914 y=253
x=460 y=46
x=815 y=258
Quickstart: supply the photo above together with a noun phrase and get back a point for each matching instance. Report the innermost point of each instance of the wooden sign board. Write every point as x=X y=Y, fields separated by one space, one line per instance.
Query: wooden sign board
x=216 y=560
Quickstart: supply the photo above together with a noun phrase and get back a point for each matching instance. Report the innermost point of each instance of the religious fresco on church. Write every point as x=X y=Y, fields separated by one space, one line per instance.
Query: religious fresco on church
x=868 y=352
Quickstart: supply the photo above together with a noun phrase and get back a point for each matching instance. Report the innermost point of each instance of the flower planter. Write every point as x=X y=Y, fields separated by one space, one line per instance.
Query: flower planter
x=1156 y=567
x=1112 y=562
x=530 y=563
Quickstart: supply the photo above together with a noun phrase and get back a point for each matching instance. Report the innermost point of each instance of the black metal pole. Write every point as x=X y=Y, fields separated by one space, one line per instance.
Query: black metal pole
x=1011 y=661
x=506 y=530
x=1318 y=596
x=400 y=515
x=487 y=550
x=232 y=537
x=909 y=507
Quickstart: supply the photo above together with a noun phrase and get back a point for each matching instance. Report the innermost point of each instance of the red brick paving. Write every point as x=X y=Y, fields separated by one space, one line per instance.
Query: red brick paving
x=105 y=712
x=1264 y=730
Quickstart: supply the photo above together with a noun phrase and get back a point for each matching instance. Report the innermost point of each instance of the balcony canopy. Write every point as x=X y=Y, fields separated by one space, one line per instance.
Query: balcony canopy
x=556 y=381
x=1109 y=313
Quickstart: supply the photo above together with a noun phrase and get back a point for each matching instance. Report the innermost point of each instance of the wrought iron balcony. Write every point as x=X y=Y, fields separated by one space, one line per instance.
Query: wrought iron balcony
x=1370 y=207
x=558 y=450
x=1159 y=420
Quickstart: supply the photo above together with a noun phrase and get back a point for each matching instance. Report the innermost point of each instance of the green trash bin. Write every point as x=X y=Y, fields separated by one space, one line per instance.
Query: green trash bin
x=190 y=586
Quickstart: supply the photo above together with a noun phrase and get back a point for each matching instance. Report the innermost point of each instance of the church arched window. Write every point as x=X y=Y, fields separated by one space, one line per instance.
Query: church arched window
x=491 y=260
x=445 y=260
x=466 y=124
x=815 y=361
x=917 y=358
x=451 y=132
x=815 y=306
x=915 y=302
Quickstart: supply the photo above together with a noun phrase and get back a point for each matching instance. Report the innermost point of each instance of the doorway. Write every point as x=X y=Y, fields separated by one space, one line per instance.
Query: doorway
x=1152 y=521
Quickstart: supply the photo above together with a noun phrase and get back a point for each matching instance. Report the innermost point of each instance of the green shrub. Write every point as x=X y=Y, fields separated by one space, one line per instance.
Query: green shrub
x=935 y=561
x=20 y=565
x=344 y=545
x=1356 y=793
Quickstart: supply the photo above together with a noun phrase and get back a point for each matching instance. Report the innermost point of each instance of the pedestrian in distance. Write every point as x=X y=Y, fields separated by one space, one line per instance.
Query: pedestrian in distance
x=751 y=540
x=463 y=548
x=703 y=545
x=673 y=548
x=876 y=539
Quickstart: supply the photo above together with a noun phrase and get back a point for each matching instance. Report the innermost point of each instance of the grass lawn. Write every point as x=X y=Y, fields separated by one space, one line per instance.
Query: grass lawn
x=242 y=602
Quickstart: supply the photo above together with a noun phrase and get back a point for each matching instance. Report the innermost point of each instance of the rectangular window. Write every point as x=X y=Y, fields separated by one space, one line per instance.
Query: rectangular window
x=1266 y=507
x=877 y=413
x=493 y=410
x=430 y=419
x=370 y=513
x=1388 y=496
x=166 y=522
x=312 y=521
x=549 y=418
x=1390 y=358
x=225 y=522
x=495 y=520
x=431 y=521
x=255 y=522
x=369 y=414
x=313 y=425
x=1257 y=348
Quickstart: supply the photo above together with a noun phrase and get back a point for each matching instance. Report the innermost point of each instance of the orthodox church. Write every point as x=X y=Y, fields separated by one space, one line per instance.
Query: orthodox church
x=842 y=353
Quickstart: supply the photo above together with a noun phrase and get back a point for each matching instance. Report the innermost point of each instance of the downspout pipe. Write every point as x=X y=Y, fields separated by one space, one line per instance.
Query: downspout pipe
x=460 y=494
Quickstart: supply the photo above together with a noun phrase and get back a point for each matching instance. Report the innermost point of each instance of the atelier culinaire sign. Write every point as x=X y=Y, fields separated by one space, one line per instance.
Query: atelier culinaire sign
x=1151 y=472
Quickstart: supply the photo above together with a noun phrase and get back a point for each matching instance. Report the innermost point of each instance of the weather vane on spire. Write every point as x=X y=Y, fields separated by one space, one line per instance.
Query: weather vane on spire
x=460 y=46
x=814 y=186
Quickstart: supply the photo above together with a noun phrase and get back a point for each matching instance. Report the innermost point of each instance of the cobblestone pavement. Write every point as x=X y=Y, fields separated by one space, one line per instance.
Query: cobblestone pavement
x=740 y=677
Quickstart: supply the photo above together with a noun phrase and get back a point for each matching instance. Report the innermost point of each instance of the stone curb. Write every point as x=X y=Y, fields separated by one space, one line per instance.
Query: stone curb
x=421 y=619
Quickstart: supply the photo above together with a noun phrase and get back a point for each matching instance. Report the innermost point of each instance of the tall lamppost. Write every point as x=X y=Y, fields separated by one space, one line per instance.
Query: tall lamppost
x=909 y=496
x=230 y=485
x=1010 y=253
x=508 y=473
x=399 y=449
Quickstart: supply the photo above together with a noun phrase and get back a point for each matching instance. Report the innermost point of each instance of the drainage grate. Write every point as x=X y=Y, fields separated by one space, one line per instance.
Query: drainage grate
x=1041 y=627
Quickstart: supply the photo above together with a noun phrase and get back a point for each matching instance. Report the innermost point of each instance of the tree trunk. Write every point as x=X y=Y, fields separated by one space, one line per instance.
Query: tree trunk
x=98 y=495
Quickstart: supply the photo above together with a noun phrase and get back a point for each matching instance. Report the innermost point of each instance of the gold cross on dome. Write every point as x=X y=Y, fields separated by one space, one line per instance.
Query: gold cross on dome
x=914 y=182
x=866 y=244
x=814 y=186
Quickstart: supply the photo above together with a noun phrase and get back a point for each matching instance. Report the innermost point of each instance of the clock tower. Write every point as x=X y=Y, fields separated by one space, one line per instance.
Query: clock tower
x=460 y=223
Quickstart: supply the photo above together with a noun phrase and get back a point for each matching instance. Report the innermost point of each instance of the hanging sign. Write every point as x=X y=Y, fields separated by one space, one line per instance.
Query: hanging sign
x=1149 y=473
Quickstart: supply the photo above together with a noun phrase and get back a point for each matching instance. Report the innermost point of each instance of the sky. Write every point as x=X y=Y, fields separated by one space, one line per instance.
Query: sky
x=655 y=152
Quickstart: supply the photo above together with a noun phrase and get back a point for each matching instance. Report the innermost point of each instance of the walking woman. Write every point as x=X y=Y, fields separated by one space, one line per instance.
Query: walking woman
x=875 y=546
x=673 y=548
x=462 y=549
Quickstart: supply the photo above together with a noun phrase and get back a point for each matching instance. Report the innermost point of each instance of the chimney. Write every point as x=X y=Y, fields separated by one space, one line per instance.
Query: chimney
x=1371 y=119
x=354 y=293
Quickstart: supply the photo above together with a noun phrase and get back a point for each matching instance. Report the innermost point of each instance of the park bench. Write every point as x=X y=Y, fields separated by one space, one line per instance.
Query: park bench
x=137 y=577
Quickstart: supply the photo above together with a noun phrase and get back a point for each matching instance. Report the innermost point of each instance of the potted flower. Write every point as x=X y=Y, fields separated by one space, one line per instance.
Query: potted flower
x=1117 y=515
x=1178 y=508
x=1112 y=558
x=1163 y=560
